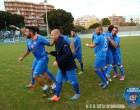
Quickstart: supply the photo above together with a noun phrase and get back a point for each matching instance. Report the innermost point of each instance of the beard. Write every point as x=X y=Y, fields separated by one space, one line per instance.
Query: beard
x=98 y=34
x=28 y=37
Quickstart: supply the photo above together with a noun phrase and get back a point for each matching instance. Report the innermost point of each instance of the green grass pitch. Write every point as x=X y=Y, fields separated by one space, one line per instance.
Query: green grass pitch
x=14 y=76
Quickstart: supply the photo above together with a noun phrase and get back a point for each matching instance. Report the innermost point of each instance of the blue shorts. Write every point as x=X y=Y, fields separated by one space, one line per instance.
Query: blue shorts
x=70 y=75
x=99 y=63
x=109 y=58
x=40 y=66
x=78 y=56
x=117 y=59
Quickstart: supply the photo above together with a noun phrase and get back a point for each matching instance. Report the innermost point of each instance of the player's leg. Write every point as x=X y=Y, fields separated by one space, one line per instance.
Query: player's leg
x=100 y=64
x=50 y=81
x=32 y=84
x=116 y=71
x=51 y=75
x=59 y=80
x=75 y=56
x=109 y=61
x=39 y=70
x=74 y=82
x=79 y=58
x=119 y=63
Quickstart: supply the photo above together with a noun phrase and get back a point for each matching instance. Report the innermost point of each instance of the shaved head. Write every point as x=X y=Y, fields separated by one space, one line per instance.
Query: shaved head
x=55 y=34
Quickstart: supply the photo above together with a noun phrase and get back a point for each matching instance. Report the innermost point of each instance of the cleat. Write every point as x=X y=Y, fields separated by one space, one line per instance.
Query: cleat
x=45 y=92
x=122 y=78
x=30 y=86
x=108 y=78
x=100 y=84
x=54 y=98
x=81 y=72
x=104 y=86
x=75 y=97
x=115 y=75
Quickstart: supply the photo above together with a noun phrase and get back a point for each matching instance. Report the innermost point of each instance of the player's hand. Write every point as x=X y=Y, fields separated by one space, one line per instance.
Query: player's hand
x=86 y=44
x=20 y=59
x=12 y=26
x=108 y=38
x=55 y=63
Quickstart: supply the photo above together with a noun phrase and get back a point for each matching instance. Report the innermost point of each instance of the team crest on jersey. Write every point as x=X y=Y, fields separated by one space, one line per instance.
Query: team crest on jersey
x=132 y=97
x=32 y=46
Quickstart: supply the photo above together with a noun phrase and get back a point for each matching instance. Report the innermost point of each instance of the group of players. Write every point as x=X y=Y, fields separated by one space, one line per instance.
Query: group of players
x=106 y=47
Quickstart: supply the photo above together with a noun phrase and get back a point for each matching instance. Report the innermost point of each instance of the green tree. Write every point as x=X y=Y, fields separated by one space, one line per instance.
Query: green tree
x=131 y=19
x=93 y=26
x=60 y=19
x=79 y=28
x=105 y=22
x=7 y=19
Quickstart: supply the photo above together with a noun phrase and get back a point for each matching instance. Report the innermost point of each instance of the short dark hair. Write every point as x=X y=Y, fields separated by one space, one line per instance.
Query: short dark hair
x=116 y=28
x=32 y=29
x=110 y=28
x=100 y=28
x=74 y=30
x=37 y=30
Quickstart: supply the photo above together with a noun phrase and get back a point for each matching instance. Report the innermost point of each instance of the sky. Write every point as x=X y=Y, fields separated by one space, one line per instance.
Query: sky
x=100 y=8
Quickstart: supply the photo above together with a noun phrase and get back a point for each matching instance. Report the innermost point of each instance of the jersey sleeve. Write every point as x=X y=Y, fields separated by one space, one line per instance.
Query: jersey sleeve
x=117 y=41
x=45 y=42
x=28 y=49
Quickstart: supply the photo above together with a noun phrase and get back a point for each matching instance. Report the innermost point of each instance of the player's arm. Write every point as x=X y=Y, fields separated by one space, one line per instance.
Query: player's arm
x=78 y=46
x=21 y=30
x=90 y=45
x=23 y=56
x=113 y=42
x=52 y=43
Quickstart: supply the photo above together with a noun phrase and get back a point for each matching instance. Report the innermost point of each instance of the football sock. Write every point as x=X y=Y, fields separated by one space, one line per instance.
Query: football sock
x=53 y=86
x=45 y=87
x=101 y=76
x=115 y=69
x=122 y=70
x=32 y=79
x=58 y=88
x=109 y=68
x=82 y=67
x=104 y=73
x=76 y=88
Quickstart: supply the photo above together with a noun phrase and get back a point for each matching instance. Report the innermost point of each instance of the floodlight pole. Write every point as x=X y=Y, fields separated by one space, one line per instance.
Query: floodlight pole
x=45 y=2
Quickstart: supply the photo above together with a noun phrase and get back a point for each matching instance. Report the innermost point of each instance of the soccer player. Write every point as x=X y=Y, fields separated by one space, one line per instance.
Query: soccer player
x=77 y=49
x=109 y=59
x=32 y=84
x=116 y=51
x=101 y=43
x=66 y=65
x=35 y=44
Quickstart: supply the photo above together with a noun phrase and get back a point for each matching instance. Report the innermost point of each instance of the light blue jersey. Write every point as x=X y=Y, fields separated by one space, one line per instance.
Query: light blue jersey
x=102 y=47
x=66 y=39
x=116 y=51
x=94 y=36
x=37 y=47
x=77 y=44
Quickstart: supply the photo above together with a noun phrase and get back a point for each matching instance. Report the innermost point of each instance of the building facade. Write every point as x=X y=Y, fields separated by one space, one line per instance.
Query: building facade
x=116 y=20
x=136 y=20
x=86 y=21
x=32 y=12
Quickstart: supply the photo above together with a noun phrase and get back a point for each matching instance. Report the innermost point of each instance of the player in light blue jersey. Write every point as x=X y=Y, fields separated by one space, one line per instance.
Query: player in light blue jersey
x=77 y=49
x=35 y=44
x=101 y=43
x=109 y=59
x=116 y=51
x=32 y=84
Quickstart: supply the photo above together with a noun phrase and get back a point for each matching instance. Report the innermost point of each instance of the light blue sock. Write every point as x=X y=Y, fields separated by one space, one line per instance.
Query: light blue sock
x=101 y=76
x=122 y=70
x=115 y=69
x=51 y=76
x=76 y=88
x=58 y=88
x=109 y=68
x=32 y=79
